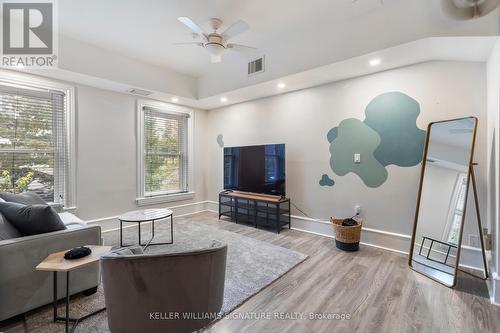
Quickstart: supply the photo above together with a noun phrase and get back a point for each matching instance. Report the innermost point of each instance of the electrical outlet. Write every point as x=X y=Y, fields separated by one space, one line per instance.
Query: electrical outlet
x=357 y=158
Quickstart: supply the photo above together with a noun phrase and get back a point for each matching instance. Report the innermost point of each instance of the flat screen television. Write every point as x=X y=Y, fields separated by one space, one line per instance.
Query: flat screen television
x=257 y=169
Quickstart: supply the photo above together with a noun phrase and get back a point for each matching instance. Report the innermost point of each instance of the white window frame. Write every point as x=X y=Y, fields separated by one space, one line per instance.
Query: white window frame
x=167 y=108
x=452 y=210
x=25 y=80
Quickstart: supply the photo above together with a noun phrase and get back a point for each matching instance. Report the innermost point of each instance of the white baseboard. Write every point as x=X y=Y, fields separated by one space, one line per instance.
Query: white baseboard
x=391 y=241
x=179 y=210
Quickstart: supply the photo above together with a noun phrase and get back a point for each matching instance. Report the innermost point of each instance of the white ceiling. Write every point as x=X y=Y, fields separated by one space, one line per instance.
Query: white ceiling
x=456 y=133
x=288 y=31
x=475 y=49
x=123 y=44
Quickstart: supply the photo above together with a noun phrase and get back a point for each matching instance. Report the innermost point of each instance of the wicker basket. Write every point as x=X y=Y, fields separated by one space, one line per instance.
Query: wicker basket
x=346 y=238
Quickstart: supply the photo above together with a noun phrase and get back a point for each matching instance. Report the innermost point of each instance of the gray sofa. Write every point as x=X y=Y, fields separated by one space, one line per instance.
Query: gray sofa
x=21 y=287
x=142 y=289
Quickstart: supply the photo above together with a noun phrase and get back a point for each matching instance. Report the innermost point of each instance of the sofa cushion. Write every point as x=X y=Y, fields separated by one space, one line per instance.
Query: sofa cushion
x=25 y=198
x=7 y=230
x=68 y=218
x=31 y=219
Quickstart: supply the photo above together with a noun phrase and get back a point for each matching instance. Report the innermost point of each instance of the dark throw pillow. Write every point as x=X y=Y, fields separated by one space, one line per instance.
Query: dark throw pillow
x=7 y=230
x=31 y=219
x=25 y=198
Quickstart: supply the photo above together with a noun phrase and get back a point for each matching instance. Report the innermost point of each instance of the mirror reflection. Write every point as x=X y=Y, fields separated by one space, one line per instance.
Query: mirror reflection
x=443 y=196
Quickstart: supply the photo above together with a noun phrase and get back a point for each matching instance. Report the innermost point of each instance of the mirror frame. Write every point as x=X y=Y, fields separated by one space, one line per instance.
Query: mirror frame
x=419 y=195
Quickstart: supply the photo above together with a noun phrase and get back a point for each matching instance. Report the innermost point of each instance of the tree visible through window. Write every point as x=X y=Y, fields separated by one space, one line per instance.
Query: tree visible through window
x=165 y=156
x=32 y=142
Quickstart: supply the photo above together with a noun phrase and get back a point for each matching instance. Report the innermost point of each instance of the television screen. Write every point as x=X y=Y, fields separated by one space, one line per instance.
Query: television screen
x=257 y=169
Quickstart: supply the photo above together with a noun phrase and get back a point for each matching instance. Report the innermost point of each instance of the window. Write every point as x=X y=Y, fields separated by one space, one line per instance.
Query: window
x=275 y=155
x=457 y=209
x=35 y=141
x=164 y=159
x=231 y=158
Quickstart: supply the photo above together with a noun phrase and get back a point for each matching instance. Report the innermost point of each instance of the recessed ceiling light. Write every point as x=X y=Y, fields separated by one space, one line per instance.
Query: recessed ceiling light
x=174 y=99
x=375 y=62
x=281 y=85
x=223 y=99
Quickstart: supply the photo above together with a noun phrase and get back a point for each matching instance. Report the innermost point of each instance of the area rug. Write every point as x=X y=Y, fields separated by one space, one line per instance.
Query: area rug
x=251 y=266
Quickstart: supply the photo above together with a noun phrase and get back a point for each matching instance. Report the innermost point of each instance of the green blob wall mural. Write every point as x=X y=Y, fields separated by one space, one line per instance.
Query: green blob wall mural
x=388 y=135
x=394 y=117
x=354 y=136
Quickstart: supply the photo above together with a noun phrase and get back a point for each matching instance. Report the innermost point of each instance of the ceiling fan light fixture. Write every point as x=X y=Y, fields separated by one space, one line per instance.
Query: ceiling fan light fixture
x=467 y=3
x=214 y=49
x=216 y=43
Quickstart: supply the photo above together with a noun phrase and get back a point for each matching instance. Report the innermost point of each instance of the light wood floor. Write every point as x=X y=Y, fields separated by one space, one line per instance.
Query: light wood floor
x=375 y=287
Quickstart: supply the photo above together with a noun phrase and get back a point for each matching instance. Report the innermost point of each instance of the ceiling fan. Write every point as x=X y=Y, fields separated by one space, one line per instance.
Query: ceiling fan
x=216 y=43
x=469 y=9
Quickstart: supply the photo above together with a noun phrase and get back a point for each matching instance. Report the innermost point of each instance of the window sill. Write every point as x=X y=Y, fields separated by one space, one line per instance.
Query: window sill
x=164 y=198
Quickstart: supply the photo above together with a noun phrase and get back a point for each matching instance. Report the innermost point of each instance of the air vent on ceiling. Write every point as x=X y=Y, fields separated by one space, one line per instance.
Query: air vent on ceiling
x=256 y=66
x=139 y=92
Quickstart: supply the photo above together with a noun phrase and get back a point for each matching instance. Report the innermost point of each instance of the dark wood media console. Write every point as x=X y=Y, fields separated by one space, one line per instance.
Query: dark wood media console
x=258 y=210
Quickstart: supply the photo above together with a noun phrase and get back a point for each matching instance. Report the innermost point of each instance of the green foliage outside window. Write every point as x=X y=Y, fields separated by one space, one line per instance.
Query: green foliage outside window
x=26 y=145
x=163 y=156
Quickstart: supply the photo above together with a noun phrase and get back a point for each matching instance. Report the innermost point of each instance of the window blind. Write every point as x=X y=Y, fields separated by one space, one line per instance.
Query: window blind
x=33 y=137
x=165 y=152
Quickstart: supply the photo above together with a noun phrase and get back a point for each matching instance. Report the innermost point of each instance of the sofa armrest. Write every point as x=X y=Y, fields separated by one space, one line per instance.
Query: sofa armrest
x=21 y=286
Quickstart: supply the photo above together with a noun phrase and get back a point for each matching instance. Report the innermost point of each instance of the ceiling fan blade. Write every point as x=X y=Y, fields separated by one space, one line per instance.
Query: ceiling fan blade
x=241 y=48
x=189 y=43
x=216 y=59
x=236 y=29
x=191 y=25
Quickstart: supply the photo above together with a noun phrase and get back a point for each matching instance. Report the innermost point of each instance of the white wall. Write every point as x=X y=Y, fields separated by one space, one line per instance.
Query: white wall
x=493 y=106
x=106 y=154
x=85 y=59
x=302 y=119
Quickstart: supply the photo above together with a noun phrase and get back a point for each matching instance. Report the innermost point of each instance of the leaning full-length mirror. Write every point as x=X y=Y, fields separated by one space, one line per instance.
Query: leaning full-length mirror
x=442 y=199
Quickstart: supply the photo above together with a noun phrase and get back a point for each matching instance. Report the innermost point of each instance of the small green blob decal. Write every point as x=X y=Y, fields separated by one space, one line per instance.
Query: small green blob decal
x=220 y=140
x=326 y=181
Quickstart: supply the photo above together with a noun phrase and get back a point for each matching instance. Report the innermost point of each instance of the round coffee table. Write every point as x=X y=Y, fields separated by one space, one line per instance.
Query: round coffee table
x=147 y=215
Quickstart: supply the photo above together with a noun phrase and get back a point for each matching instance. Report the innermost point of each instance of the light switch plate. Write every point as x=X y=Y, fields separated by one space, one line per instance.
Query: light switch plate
x=357 y=158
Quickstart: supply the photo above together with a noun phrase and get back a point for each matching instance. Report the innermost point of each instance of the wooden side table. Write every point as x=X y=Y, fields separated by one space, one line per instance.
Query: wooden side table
x=56 y=263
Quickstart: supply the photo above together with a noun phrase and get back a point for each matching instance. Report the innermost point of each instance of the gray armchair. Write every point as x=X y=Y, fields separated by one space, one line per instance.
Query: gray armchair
x=22 y=288
x=154 y=292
